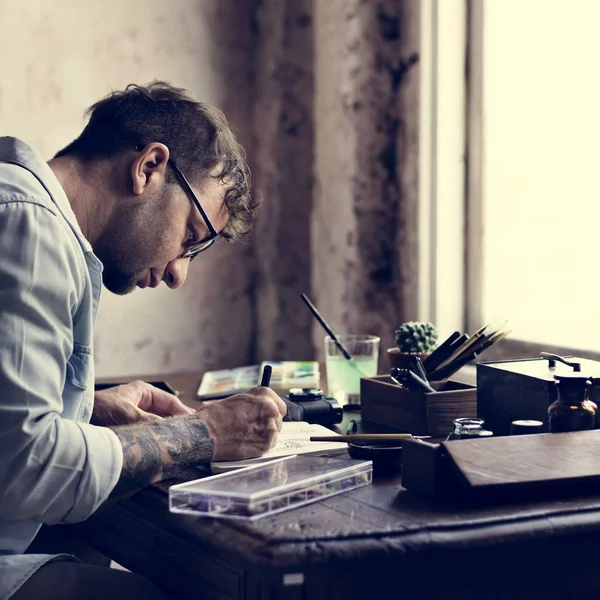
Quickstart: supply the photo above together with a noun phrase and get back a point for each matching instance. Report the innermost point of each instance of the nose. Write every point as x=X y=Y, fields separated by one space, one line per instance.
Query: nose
x=176 y=273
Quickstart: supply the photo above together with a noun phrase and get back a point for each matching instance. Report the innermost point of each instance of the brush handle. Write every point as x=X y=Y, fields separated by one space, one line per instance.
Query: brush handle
x=326 y=327
x=442 y=352
x=452 y=367
x=363 y=437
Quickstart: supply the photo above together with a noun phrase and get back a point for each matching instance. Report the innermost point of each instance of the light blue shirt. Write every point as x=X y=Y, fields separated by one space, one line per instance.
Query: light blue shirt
x=54 y=466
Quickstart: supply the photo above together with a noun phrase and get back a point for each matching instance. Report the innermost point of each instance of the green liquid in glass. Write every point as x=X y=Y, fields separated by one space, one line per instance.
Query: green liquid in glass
x=344 y=375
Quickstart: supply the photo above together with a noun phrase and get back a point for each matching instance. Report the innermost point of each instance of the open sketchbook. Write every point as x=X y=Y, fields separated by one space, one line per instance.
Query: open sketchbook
x=294 y=438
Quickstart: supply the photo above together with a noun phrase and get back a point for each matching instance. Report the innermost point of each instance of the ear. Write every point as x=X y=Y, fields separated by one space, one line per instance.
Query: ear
x=149 y=169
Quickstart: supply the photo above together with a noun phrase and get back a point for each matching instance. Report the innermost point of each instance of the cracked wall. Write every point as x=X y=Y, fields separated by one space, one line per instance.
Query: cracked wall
x=364 y=219
x=336 y=158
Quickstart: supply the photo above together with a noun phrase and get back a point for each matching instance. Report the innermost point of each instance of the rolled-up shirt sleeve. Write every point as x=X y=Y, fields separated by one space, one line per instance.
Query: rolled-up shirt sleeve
x=52 y=469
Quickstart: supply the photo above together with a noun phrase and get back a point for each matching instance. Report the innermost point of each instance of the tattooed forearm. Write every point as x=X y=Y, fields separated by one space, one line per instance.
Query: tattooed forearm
x=155 y=451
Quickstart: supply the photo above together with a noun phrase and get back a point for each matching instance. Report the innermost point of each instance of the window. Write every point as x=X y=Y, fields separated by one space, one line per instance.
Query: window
x=530 y=203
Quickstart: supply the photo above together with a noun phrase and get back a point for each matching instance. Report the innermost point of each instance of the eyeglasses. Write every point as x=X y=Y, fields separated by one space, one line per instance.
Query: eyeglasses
x=194 y=248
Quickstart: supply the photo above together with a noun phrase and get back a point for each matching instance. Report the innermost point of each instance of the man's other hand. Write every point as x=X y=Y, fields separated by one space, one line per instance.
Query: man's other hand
x=244 y=425
x=135 y=402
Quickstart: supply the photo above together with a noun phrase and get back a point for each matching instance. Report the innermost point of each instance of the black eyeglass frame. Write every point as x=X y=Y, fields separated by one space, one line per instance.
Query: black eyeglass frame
x=200 y=246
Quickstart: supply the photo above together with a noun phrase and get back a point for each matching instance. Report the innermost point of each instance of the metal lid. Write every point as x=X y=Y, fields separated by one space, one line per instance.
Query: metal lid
x=573 y=381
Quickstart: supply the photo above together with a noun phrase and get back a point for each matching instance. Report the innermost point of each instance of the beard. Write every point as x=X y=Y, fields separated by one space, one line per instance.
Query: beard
x=125 y=252
x=118 y=281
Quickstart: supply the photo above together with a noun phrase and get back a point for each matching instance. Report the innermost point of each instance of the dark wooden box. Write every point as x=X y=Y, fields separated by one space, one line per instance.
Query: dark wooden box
x=385 y=403
x=523 y=389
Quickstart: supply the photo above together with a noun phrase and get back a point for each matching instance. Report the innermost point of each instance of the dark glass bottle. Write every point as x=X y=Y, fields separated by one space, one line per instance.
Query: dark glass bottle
x=572 y=410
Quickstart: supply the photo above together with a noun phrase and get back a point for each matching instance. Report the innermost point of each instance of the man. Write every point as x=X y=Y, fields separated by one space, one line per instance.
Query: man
x=154 y=179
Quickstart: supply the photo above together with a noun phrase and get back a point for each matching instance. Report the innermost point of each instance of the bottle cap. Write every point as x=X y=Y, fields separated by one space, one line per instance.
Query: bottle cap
x=571 y=376
x=526 y=427
x=573 y=382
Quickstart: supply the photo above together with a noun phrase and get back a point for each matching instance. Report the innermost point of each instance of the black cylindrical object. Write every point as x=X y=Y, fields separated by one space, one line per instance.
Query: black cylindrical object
x=526 y=427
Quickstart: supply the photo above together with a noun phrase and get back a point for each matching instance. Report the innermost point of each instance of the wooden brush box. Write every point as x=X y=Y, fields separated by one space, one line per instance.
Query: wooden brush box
x=386 y=403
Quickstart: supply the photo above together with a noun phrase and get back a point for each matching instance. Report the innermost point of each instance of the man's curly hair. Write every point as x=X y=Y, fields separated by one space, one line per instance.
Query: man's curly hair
x=197 y=134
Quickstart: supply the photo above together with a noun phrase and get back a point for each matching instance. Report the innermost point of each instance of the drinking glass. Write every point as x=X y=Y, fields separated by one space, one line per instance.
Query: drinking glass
x=343 y=375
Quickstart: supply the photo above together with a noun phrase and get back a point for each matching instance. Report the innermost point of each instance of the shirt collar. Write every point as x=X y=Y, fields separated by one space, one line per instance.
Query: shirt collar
x=13 y=150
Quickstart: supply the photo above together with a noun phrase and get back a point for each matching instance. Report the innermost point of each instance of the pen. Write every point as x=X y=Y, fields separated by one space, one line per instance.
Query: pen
x=416 y=366
x=410 y=380
x=266 y=376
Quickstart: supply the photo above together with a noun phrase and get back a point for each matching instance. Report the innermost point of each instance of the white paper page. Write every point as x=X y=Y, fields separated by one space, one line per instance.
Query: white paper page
x=294 y=438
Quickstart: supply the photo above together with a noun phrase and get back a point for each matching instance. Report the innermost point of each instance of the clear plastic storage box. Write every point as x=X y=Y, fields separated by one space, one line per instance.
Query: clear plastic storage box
x=269 y=488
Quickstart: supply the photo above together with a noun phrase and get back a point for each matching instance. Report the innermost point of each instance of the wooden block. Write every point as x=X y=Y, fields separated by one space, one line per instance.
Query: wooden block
x=386 y=403
x=542 y=465
x=546 y=459
x=426 y=470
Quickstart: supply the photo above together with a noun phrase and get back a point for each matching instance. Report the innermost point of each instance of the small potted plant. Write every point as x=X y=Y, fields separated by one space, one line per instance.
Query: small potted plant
x=413 y=338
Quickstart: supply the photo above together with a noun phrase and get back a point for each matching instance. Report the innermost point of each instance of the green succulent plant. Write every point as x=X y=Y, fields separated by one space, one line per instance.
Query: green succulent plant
x=417 y=337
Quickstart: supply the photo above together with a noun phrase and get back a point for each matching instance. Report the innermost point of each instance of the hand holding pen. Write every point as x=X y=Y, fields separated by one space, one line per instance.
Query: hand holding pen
x=246 y=424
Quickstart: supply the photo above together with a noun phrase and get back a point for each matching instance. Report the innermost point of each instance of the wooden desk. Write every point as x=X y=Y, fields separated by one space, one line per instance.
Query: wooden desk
x=380 y=541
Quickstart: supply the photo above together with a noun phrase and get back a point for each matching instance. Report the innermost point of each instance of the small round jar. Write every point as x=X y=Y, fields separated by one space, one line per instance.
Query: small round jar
x=468 y=428
x=386 y=459
x=526 y=427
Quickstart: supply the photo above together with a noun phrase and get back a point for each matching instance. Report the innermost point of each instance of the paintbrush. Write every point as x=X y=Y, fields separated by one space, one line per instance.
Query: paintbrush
x=472 y=344
x=451 y=368
x=376 y=438
x=442 y=351
x=471 y=350
x=493 y=340
x=317 y=315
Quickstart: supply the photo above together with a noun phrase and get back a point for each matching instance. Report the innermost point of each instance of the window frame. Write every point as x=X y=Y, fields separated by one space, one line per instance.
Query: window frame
x=441 y=164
